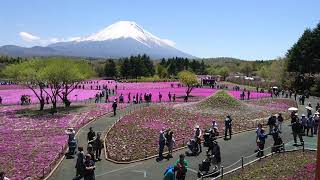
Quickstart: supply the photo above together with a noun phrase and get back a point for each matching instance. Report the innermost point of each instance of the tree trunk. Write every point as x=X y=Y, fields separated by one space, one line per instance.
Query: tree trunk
x=66 y=101
x=54 y=106
x=42 y=104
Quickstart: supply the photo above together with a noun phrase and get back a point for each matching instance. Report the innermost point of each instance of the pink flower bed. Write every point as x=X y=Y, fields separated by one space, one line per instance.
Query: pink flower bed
x=30 y=143
x=12 y=96
x=135 y=136
x=12 y=93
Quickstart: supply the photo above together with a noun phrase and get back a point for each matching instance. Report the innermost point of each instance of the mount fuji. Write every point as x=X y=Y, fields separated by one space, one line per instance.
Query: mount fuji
x=121 y=39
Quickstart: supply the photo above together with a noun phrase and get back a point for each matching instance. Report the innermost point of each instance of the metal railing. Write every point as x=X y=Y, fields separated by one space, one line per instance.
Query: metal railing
x=241 y=162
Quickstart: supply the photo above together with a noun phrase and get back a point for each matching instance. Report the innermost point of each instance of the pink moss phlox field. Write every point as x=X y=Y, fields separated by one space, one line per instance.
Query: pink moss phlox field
x=30 y=143
x=139 y=131
x=11 y=94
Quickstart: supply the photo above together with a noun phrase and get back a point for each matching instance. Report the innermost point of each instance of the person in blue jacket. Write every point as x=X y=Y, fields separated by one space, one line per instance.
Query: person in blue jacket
x=169 y=174
x=261 y=142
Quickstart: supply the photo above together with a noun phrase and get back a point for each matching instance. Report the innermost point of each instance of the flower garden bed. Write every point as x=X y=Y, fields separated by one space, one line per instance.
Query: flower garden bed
x=30 y=141
x=135 y=136
x=288 y=166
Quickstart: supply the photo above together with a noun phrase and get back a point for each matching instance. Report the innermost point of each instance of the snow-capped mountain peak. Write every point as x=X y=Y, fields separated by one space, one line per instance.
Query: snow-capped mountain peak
x=126 y=29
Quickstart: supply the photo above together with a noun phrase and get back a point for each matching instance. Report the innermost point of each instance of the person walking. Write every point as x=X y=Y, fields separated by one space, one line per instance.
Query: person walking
x=309 y=108
x=197 y=137
x=310 y=126
x=280 y=121
x=316 y=122
x=304 y=124
x=89 y=168
x=160 y=97
x=90 y=151
x=98 y=145
x=114 y=107
x=261 y=142
x=297 y=129
x=271 y=123
x=80 y=168
x=215 y=152
x=174 y=98
x=248 y=95
x=90 y=136
x=181 y=167
x=258 y=132
x=169 y=96
x=227 y=128
x=170 y=142
x=162 y=143
x=107 y=97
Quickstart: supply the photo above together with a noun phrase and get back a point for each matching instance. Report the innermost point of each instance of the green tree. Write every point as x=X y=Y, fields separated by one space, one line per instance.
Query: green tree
x=162 y=71
x=29 y=74
x=110 y=69
x=224 y=72
x=263 y=72
x=125 y=68
x=304 y=59
x=189 y=79
x=63 y=76
x=246 y=68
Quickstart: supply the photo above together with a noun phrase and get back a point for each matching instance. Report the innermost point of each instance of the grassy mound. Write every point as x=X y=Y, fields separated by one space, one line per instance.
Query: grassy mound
x=220 y=99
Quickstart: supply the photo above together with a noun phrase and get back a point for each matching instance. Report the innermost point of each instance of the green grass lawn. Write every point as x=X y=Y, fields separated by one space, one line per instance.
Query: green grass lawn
x=289 y=166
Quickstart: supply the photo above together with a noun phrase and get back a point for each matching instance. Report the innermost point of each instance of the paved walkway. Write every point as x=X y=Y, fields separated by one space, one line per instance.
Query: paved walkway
x=240 y=145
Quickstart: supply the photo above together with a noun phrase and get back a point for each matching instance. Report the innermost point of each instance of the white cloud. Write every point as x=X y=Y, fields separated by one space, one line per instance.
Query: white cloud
x=73 y=38
x=29 y=37
x=169 y=42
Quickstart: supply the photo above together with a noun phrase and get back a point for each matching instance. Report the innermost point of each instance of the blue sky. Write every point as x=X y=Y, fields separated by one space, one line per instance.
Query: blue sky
x=247 y=29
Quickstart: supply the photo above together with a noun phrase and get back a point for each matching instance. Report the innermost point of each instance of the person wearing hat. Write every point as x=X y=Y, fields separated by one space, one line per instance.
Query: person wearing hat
x=197 y=137
x=89 y=168
x=228 y=125
x=316 y=122
x=114 y=107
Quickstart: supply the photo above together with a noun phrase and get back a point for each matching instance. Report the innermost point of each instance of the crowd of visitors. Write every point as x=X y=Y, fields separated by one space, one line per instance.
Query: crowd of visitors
x=85 y=164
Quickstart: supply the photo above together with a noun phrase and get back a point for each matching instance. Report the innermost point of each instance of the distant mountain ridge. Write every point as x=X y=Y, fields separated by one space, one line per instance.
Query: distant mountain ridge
x=121 y=39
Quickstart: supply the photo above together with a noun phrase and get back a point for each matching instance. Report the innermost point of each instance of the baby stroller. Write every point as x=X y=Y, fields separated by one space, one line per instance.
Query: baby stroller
x=277 y=145
x=204 y=167
x=193 y=147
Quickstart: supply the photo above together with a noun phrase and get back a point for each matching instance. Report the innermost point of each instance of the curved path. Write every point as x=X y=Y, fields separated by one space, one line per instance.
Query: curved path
x=240 y=145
